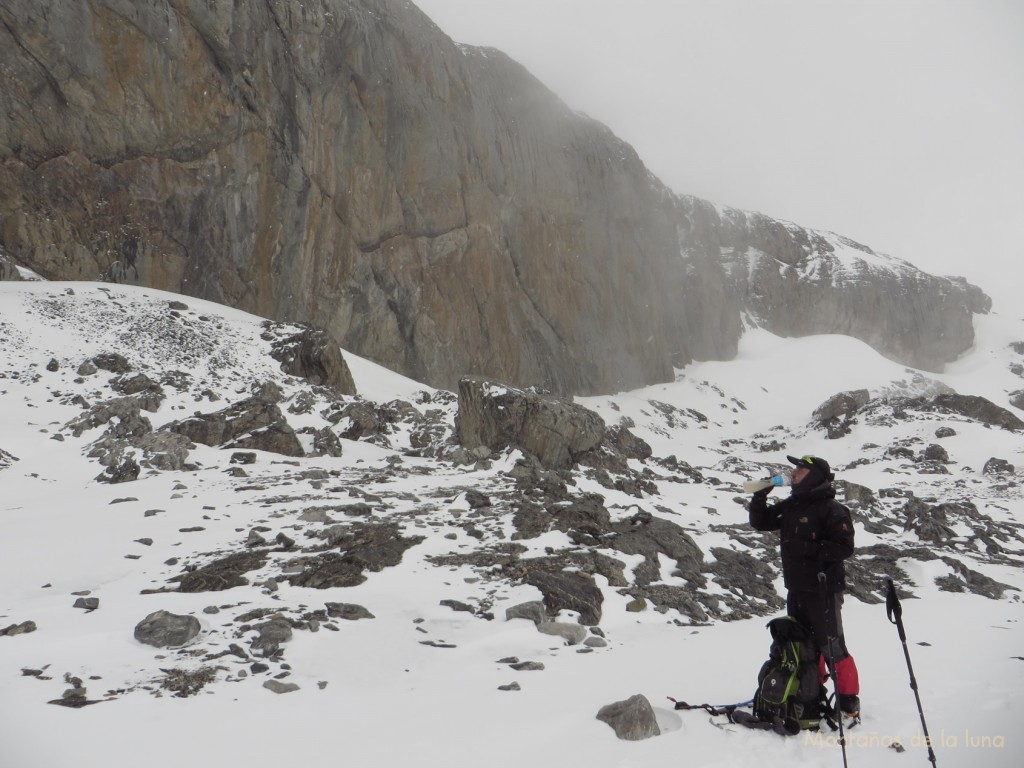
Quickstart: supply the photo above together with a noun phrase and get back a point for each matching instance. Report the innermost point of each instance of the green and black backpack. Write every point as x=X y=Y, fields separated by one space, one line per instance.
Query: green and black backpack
x=789 y=690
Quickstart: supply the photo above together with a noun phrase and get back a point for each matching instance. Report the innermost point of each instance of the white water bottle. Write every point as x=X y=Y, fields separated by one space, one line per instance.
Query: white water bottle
x=775 y=481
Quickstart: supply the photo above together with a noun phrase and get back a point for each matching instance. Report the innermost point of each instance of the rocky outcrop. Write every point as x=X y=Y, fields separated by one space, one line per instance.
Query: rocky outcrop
x=254 y=424
x=312 y=354
x=433 y=207
x=8 y=269
x=498 y=416
x=837 y=414
x=798 y=282
x=977 y=409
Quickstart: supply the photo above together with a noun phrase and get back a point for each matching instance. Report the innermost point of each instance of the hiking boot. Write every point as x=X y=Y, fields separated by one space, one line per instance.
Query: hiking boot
x=849 y=709
x=849 y=703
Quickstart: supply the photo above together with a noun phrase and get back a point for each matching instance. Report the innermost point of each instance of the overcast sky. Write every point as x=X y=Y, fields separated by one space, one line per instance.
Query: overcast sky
x=899 y=123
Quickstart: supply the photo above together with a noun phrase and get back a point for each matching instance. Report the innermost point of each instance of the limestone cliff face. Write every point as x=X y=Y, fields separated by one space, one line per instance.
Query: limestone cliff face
x=797 y=282
x=343 y=163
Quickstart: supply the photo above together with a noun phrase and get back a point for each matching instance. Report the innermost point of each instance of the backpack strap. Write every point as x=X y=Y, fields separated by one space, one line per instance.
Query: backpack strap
x=712 y=709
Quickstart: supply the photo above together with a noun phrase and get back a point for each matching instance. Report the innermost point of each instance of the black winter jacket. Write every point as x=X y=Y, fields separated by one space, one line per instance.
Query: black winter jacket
x=816 y=533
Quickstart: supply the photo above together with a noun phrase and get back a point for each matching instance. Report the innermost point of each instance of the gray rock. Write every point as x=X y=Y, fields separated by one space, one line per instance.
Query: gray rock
x=163 y=629
x=632 y=719
x=87 y=368
x=313 y=355
x=859 y=495
x=271 y=635
x=113 y=362
x=943 y=432
x=568 y=591
x=936 y=453
x=976 y=408
x=88 y=603
x=137 y=384
x=348 y=611
x=573 y=634
x=366 y=547
x=278 y=686
x=165 y=451
x=476 y=499
x=742 y=572
x=8 y=269
x=627 y=444
x=527 y=666
x=455 y=605
x=930 y=523
x=837 y=414
x=221 y=574
x=532 y=611
x=995 y=466
x=595 y=642
x=126 y=472
x=326 y=443
x=513 y=686
x=18 y=629
x=252 y=424
x=650 y=536
x=498 y=416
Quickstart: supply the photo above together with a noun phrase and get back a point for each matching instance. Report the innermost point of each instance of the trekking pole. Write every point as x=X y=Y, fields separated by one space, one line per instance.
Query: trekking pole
x=831 y=662
x=893 y=608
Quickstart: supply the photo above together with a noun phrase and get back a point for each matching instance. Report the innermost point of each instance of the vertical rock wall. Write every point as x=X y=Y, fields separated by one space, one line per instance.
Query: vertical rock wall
x=344 y=163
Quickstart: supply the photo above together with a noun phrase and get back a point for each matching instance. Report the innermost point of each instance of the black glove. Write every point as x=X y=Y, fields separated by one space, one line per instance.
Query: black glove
x=763 y=493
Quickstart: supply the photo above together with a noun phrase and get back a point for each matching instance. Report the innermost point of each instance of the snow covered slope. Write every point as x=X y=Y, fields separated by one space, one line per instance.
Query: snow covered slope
x=419 y=682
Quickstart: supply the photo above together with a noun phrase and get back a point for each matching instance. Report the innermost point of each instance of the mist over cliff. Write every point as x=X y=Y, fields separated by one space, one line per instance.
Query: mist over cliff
x=433 y=206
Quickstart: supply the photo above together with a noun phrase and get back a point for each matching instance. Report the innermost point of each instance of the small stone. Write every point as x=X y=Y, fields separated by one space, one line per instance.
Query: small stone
x=513 y=686
x=528 y=666
x=18 y=629
x=595 y=642
x=144 y=542
x=258 y=667
x=88 y=603
x=455 y=605
x=348 y=611
x=278 y=687
x=322 y=684
x=211 y=609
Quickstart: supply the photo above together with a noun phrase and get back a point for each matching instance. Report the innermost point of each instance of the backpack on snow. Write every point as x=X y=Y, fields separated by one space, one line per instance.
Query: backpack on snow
x=789 y=690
